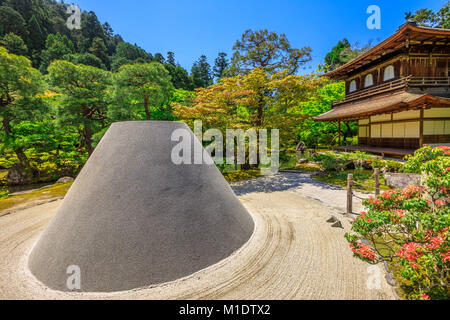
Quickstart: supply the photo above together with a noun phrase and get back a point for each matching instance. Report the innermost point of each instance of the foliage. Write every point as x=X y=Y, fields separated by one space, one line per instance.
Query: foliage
x=126 y=53
x=387 y=165
x=412 y=229
x=332 y=161
x=56 y=46
x=314 y=132
x=362 y=179
x=83 y=97
x=267 y=50
x=143 y=88
x=86 y=58
x=14 y=44
x=201 y=73
x=414 y=163
x=180 y=77
x=220 y=65
x=254 y=100
x=340 y=161
x=19 y=86
x=343 y=52
x=12 y=22
x=428 y=18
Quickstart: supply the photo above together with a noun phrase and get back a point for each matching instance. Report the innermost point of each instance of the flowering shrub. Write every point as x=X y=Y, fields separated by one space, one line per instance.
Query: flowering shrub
x=411 y=227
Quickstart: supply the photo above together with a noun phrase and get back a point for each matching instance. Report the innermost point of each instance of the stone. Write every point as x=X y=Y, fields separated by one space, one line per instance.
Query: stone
x=390 y=279
x=338 y=224
x=401 y=180
x=17 y=176
x=332 y=219
x=65 y=180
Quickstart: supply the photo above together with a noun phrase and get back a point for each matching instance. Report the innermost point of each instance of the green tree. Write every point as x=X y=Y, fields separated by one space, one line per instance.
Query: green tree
x=180 y=77
x=335 y=57
x=170 y=58
x=158 y=57
x=201 y=73
x=126 y=53
x=87 y=59
x=267 y=50
x=108 y=29
x=19 y=86
x=14 y=44
x=56 y=46
x=36 y=34
x=220 y=65
x=313 y=132
x=91 y=27
x=429 y=18
x=143 y=88
x=12 y=21
x=344 y=52
x=83 y=97
x=98 y=49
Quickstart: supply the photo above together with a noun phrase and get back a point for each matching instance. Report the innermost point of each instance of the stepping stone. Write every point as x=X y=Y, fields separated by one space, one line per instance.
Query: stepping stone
x=332 y=219
x=390 y=279
x=338 y=224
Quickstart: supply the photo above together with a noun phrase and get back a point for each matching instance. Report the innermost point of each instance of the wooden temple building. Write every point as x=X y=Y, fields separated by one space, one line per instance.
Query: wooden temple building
x=398 y=92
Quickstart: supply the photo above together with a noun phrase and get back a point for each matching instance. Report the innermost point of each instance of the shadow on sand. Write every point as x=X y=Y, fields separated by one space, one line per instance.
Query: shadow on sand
x=278 y=182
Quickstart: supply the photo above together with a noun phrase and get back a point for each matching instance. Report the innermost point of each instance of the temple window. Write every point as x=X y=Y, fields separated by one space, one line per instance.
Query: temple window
x=389 y=73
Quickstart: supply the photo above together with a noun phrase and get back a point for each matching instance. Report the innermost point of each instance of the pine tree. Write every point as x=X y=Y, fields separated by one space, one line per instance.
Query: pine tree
x=221 y=63
x=171 y=58
x=201 y=73
x=14 y=44
x=37 y=36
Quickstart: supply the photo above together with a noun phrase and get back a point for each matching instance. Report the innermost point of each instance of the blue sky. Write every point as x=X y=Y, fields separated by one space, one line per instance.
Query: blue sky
x=191 y=28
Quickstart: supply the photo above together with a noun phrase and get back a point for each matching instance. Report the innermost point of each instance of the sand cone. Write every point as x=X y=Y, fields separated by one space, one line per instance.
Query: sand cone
x=133 y=218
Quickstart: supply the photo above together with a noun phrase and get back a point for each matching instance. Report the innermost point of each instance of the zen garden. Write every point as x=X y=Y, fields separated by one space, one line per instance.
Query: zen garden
x=358 y=208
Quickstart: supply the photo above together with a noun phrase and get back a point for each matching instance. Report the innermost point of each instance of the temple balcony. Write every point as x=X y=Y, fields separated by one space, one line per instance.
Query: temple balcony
x=426 y=84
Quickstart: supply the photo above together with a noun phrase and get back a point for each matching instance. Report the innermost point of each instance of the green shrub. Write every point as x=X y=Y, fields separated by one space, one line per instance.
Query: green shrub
x=387 y=165
x=411 y=228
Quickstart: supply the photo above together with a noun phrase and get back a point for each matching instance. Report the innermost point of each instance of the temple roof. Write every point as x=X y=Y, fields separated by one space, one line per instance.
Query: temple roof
x=407 y=34
x=387 y=103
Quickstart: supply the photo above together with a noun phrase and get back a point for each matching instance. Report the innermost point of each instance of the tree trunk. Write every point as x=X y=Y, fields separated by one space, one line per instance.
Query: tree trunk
x=147 y=112
x=23 y=159
x=88 y=139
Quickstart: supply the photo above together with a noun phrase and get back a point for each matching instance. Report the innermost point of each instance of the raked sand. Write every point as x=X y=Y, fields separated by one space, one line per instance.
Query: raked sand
x=292 y=254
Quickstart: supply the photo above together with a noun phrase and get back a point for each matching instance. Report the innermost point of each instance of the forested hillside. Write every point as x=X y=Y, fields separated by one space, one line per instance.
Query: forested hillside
x=38 y=30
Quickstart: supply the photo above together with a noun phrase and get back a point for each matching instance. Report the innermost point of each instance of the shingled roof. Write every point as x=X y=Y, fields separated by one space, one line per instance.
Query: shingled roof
x=407 y=34
x=386 y=103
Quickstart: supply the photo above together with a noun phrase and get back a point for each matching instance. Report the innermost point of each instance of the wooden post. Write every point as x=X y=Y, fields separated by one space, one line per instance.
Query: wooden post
x=377 y=181
x=350 y=194
x=339 y=133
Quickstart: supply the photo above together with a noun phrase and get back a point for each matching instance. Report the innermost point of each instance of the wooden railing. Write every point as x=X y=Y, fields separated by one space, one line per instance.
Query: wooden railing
x=410 y=81
x=429 y=81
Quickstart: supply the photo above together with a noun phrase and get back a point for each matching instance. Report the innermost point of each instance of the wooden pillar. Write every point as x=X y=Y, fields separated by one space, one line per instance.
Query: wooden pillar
x=421 y=129
x=350 y=194
x=339 y=133
x=377 y=181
